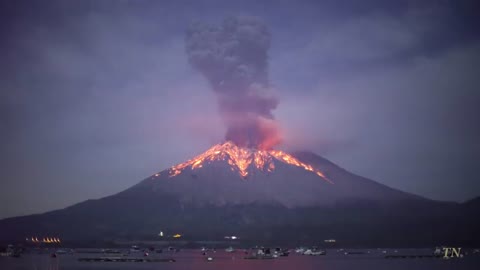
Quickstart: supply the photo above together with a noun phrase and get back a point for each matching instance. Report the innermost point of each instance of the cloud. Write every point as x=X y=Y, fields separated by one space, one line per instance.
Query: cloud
x=414 y=124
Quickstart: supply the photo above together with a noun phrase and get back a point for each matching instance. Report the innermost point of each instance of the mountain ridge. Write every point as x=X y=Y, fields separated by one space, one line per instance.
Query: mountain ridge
x=263 y=207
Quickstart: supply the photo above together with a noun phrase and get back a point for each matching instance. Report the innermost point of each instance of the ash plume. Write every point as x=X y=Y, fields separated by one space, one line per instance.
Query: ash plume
x=233 y=58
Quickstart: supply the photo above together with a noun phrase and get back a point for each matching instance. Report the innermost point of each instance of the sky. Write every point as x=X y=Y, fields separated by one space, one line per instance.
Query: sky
x=97 y=95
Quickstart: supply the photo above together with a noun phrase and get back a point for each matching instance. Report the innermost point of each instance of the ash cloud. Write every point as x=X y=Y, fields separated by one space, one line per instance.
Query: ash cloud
x=234 y=59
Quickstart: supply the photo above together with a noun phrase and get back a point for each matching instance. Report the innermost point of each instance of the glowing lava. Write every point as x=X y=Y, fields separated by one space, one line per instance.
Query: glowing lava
x=240 y=160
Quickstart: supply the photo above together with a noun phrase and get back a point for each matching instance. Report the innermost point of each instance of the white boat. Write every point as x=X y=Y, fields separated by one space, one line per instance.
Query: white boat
x=307 y=252
x=300 y=250
x=318 y=252
x=314 y=252
x=230 y=249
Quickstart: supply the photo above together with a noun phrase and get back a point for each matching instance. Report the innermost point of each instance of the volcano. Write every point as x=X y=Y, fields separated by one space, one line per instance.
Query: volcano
x=228 y=174
x=261 y=196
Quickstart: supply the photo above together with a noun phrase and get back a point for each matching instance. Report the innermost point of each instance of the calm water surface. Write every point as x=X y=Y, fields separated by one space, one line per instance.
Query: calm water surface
x=193 y=259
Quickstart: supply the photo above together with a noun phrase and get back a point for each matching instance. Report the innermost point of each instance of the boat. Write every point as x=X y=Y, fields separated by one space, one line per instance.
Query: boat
x=279 y=252
x=173 y=249
x=300 y=250
x=262 y=254
x=318 y=252
x=230 y=249
x=135 y=249
x=315 y=252
x=205 y=249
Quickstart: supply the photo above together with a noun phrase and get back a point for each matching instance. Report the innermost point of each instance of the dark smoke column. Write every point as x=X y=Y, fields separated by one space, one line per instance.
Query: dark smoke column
x=233 y=57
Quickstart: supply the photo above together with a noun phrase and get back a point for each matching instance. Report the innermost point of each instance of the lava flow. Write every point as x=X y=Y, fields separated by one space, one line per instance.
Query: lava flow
x=240 y=160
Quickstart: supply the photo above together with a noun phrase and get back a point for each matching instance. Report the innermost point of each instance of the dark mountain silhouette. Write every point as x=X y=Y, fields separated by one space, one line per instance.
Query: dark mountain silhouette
x=289 y=205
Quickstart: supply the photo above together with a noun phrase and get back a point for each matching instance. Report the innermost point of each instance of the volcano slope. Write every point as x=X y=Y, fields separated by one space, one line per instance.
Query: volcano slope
x=288 y=199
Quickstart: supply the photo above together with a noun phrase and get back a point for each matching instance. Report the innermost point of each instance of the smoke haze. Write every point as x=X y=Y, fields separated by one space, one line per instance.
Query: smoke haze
x=234 y=59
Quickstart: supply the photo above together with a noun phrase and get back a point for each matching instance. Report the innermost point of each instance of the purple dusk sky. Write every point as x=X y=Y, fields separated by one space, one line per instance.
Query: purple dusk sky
x=97 y=95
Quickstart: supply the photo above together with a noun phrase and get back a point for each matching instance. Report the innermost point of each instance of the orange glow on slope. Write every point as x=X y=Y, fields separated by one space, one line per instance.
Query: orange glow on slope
x=241 y=158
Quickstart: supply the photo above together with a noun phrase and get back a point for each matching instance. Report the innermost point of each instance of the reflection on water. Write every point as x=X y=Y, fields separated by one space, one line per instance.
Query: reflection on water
x=54 y=264
x=194 y=259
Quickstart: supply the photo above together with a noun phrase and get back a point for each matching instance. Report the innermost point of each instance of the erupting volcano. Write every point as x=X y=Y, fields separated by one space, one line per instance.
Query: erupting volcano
x=243 y=159
x=263 y=196
x=244 y=186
